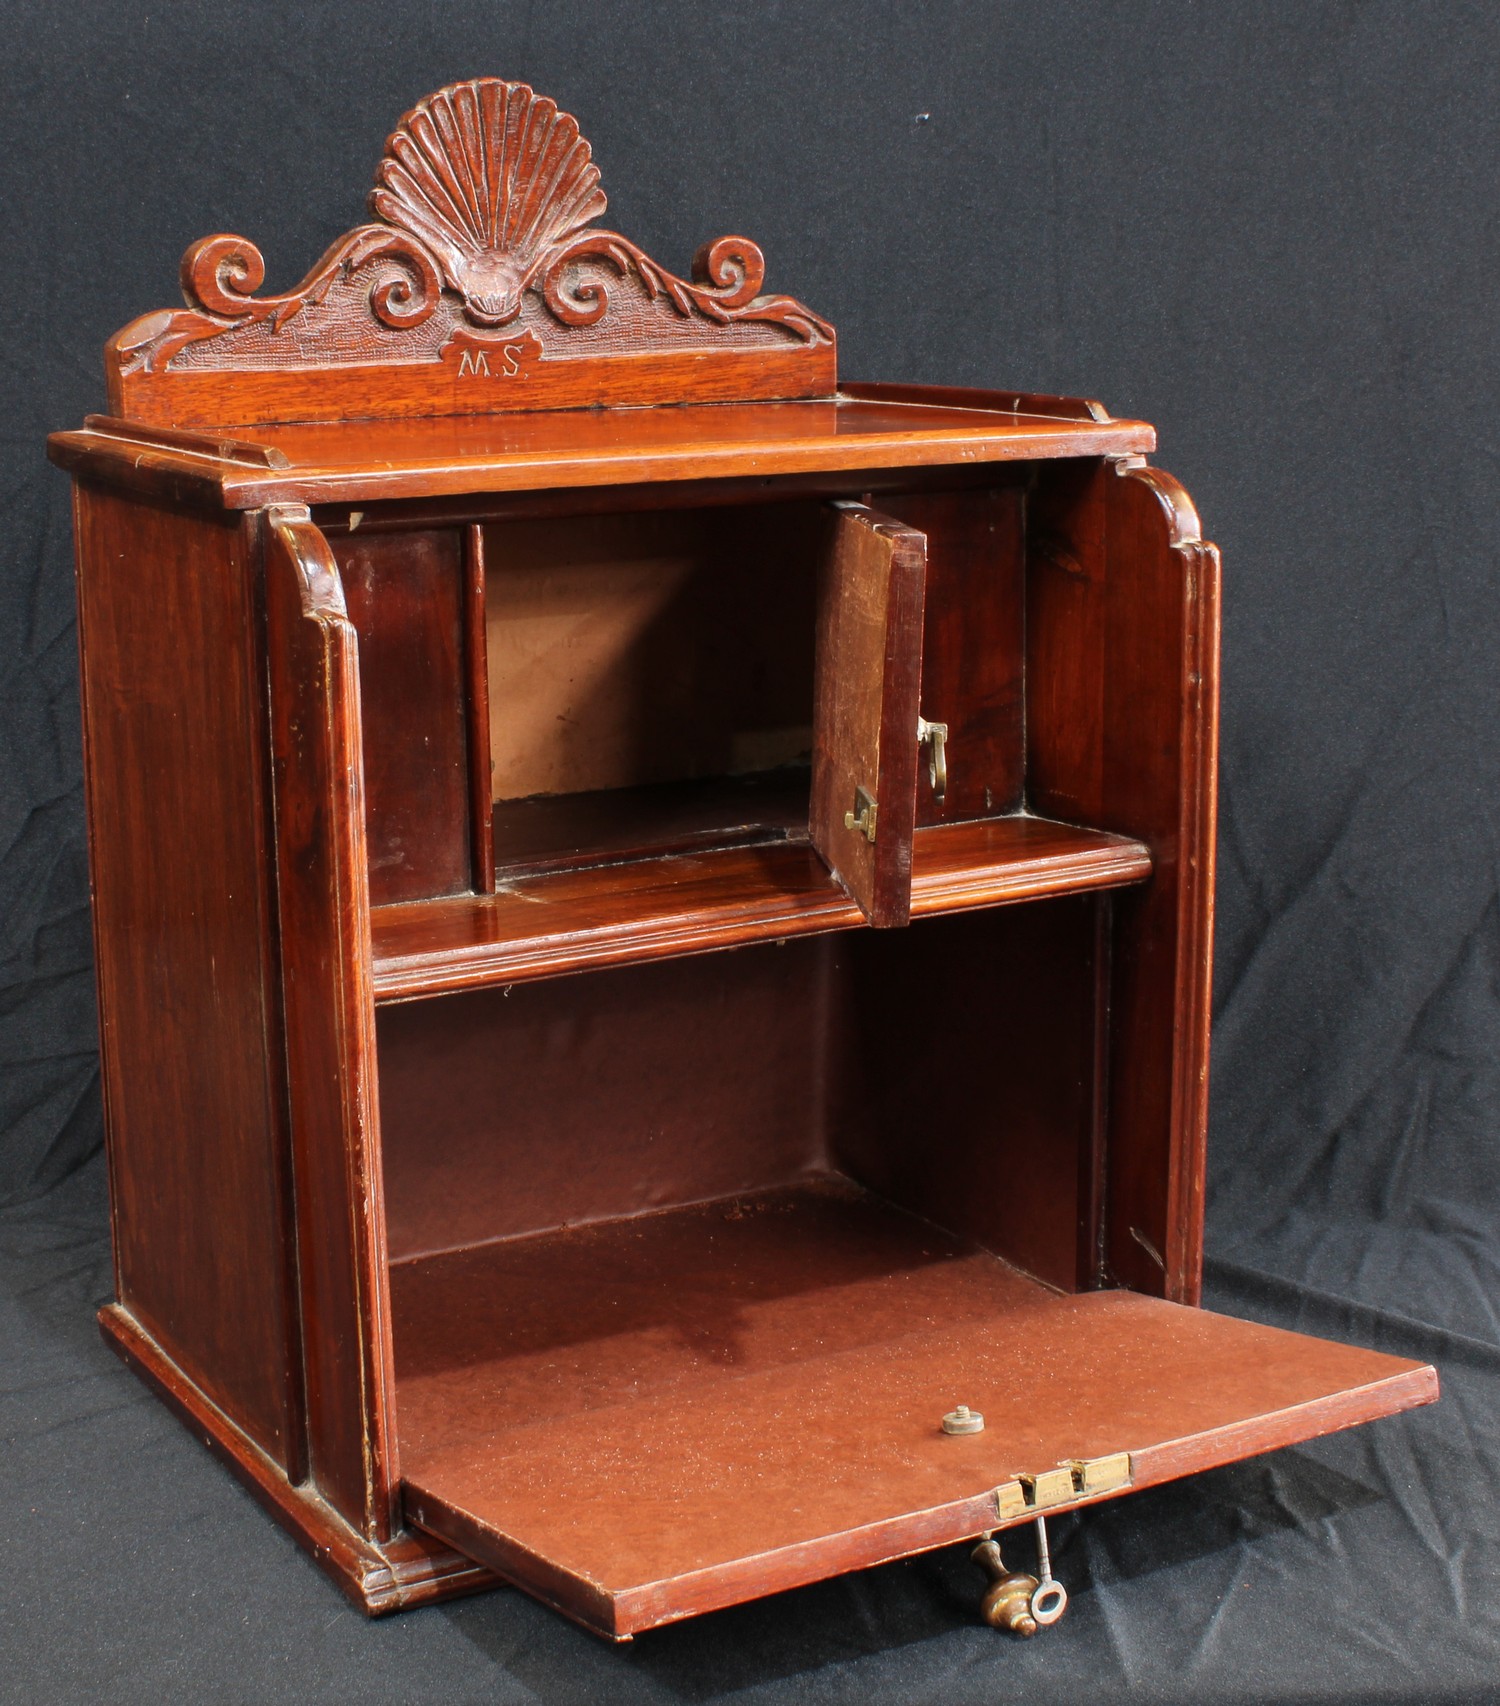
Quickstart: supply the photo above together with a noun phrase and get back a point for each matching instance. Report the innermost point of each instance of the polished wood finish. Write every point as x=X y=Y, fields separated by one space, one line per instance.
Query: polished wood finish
x=409 y=600
x=650 y=909
x=323 y=881
x=475 y=699
x=973 y=652
x=989 y=861
x=364 y=462
x=176 y=773
x=647 y=1419
x=978 y=1109
x=1016 y=403
x=396 y=1575
x=1123 y=732
x=464 y=377
x=215 y=447
x=550 y=832
x=866 y=693
x=515 y=1131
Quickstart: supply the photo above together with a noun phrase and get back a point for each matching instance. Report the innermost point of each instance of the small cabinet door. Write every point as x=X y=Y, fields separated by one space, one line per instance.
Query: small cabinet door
x=866 y=697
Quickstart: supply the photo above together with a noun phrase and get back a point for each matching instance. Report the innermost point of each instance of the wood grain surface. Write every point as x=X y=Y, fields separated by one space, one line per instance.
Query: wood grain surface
x=1122 y=732
x=408 y=600
x=323 y=885
x=647 y=1419
x=177 y=776
x=409 y=1570
x=481 y=284
x=973 y=656
x=365 y=462
x=867 y=688
x=654 y=908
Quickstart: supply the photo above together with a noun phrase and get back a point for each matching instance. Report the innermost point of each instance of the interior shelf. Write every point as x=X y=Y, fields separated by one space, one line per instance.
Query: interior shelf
x=605 y=826
x=646 y=1418
x=649 y=909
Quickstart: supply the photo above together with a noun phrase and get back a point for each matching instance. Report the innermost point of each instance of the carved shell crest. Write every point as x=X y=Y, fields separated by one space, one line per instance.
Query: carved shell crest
x=491 y=177
x=485 y=190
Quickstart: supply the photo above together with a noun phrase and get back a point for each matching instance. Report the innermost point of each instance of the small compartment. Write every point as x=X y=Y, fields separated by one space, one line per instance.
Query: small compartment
x=650 y=681
x=653 y=765
x=678 y=1219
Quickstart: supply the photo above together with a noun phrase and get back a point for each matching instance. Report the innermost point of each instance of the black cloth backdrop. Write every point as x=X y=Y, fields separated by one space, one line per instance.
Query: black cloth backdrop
x=1273 y=231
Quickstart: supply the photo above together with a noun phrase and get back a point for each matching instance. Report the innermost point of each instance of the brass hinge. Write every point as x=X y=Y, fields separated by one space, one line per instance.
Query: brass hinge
x=1078 y=1478
x=934 y=736
x=862 y=818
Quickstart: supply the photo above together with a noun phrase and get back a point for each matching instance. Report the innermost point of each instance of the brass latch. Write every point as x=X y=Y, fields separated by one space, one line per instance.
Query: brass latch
x=934 y=736
x=862 y=818
x=1078 y=1478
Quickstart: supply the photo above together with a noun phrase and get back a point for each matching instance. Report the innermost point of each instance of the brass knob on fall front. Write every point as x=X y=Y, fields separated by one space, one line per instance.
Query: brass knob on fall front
x=1007 y=1601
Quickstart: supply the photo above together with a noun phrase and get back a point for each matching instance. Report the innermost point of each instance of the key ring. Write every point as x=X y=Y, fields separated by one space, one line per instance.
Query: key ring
x=1049 y=1598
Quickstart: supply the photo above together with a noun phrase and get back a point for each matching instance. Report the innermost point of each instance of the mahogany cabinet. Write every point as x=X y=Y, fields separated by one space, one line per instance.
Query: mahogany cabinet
x=653 y=916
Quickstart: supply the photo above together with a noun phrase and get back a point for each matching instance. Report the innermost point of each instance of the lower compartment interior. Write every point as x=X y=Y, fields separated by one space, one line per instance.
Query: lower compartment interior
x=689 y=1259
x=950 y=1067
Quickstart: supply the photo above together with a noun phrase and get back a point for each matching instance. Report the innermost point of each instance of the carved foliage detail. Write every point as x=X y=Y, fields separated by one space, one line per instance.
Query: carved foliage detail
x=221 y=274
x=486 y=188
x=727 y=276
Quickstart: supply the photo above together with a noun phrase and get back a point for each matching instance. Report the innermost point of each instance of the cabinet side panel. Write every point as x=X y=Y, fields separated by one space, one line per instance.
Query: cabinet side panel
x=1122 y=682
x=175 y=773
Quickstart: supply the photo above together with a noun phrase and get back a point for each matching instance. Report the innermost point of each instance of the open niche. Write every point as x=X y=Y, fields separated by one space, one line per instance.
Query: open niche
x=650 y=681
x=701 y=1252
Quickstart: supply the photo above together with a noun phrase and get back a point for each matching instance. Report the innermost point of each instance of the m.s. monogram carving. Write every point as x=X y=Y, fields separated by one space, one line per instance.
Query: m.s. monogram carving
x=487 y=358
x=477 y=361
x=483 y=205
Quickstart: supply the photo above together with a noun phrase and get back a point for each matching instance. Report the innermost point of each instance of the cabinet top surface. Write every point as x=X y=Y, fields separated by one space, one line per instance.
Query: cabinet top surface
x=864 y=427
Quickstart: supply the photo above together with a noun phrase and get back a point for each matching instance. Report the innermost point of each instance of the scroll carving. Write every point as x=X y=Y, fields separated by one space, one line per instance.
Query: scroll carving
x=727 y=276
x=482 y=263
x=221 y=274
